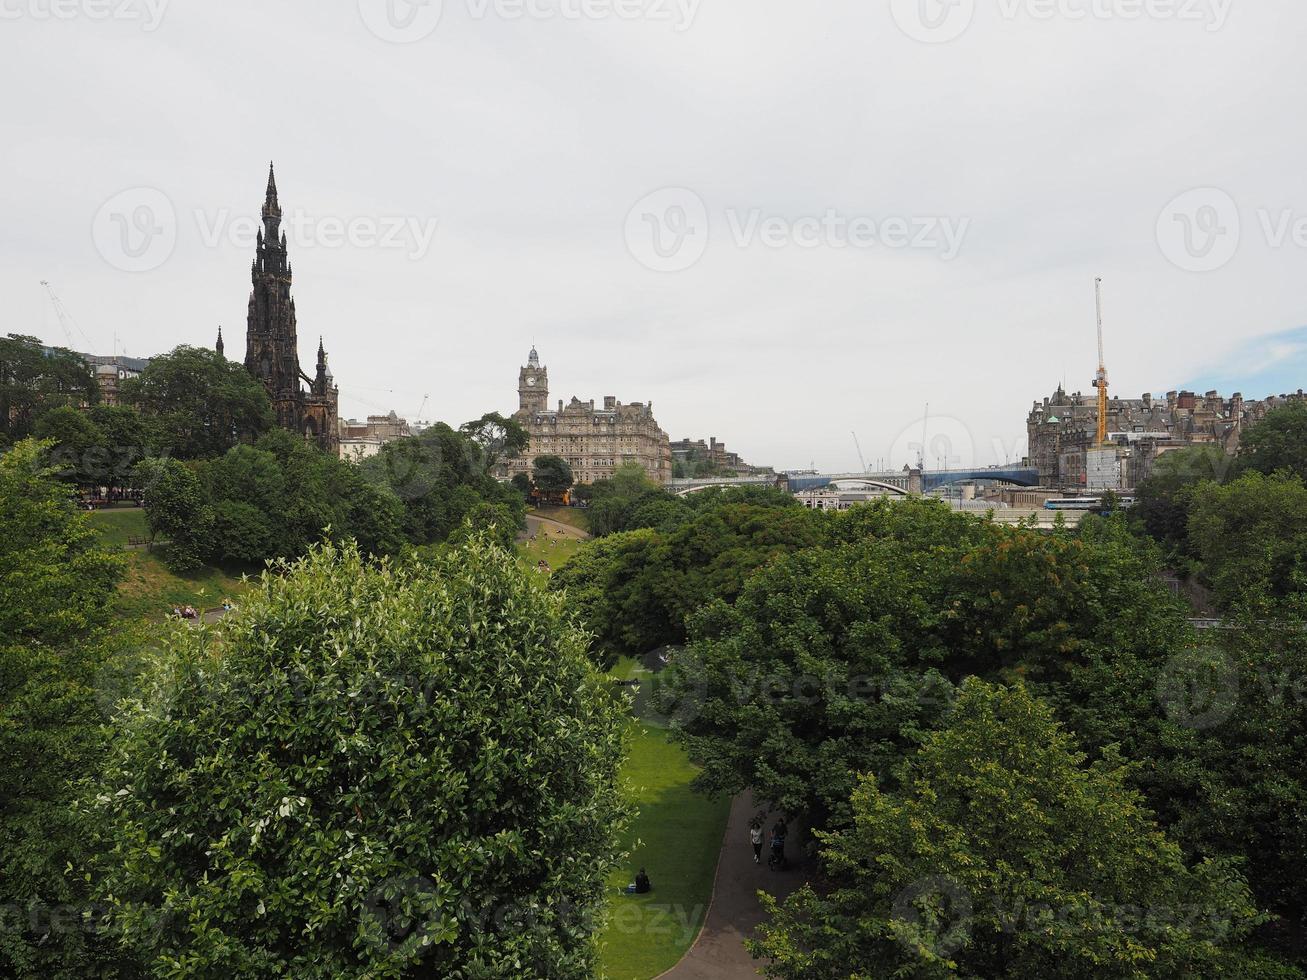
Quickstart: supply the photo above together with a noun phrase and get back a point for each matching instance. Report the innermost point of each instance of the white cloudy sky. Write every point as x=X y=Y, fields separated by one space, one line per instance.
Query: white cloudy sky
x=1057 y=145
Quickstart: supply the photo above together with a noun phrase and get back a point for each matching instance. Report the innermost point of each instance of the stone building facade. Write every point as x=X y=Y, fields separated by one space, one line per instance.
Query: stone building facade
x=689 y=456
x=1063 y=427
x=111 y=370
x=594 y=440
x=272 y=346
x=359 y=440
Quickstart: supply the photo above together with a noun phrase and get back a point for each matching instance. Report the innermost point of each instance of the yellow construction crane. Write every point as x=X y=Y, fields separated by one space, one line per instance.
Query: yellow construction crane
x=1100 y=379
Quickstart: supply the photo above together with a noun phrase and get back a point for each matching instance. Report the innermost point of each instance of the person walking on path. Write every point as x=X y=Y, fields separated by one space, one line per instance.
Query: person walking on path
x=755 y=838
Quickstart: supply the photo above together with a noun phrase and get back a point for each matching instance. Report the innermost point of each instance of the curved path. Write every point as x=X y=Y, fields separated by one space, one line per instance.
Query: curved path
x=557 y=528
x=719 y=953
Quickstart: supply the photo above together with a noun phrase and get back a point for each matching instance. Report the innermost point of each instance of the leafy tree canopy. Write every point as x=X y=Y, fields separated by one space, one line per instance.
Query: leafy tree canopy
x=201 y=403
x=368 y=771
x=1004 y=855
x=35 y=379
x=1277 y=442
x=551 y=474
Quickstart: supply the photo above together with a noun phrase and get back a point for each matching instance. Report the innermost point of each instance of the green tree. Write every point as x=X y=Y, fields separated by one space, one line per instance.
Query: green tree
x=825 y=666
x=369 y=771
x=628 y=500
x=437 y=478
x=56 y=592
x=79 y=451
x=175 y=508
x=1277 y=442
x=641 y=589
x=1005 y=855
x=497 y=438
x=610 y=584
x=35 y=379
x=494 y=522
x=1164 y=500
x=56 y=582
x=551 y=474
x=128 y=439
x=202 y=404
x=1251 y=536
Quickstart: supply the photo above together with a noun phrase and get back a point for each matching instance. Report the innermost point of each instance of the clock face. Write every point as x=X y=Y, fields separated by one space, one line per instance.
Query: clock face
x=531 y=382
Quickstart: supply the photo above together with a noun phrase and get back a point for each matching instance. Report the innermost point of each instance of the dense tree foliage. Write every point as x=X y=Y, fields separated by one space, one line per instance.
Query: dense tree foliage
x=200 y=403
x=35 y=379
x=368 y=772
x=279 y=496
x=439 y=478
x=833 y=659
x=1251 y=536
x=497 y=438
x=56 y=589
x=1278 y=442
x=1004 y=855
x=552 y=475
x=55 y=579
x=1164 y=500
x=637 y=588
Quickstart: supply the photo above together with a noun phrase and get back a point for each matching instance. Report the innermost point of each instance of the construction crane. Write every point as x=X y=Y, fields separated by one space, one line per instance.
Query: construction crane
x=1100 y=379
x=65 y=318
x=858 y=447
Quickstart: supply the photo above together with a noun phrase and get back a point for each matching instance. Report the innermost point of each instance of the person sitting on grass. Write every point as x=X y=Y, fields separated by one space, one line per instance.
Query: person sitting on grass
x=641 y=885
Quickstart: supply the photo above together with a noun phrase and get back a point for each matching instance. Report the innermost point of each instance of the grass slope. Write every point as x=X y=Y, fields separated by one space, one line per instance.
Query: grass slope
x=676 y=837
x=571 y=516
x=149 y=590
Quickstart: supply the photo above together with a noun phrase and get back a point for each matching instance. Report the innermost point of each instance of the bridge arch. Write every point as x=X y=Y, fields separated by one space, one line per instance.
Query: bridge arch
x=888 y=488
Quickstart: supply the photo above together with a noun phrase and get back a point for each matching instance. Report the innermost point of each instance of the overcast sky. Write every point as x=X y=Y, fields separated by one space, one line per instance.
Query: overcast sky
x=779 y=221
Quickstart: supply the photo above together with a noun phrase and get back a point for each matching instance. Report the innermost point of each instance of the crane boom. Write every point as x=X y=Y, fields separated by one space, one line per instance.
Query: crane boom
x=858 y=446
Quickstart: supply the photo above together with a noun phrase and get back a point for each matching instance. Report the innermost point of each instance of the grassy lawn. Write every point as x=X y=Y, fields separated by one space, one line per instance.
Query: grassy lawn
x=554 y=550
x=676 y=838
x=571 y=516
x=117 y=524
x=149 y=589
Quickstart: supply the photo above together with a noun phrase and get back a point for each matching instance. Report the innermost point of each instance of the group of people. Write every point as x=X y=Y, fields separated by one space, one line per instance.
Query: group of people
x=190 y=612
x=778 y=833
x=776 y=860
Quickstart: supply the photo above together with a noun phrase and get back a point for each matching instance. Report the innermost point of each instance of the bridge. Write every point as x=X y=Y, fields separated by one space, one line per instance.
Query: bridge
x=902 y=482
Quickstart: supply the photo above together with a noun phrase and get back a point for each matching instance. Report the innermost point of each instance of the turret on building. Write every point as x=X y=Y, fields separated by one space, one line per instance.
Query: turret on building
x=271 y=344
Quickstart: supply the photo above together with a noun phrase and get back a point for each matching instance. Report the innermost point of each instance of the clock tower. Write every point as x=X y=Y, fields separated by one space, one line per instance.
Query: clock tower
x=533 y=386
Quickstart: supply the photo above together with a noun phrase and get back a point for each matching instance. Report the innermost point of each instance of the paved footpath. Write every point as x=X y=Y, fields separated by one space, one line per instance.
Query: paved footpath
x=719 y=953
